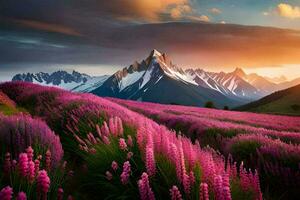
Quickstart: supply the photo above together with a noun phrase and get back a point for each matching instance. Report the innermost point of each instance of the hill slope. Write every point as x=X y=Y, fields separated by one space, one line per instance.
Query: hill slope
x=282 y=102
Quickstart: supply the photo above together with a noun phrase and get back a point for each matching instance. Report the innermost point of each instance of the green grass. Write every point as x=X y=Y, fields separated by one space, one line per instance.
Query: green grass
x=285 y=102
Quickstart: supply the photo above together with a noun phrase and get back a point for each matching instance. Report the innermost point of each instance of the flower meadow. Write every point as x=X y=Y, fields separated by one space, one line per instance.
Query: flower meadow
x=267 y=143
x=65 y=145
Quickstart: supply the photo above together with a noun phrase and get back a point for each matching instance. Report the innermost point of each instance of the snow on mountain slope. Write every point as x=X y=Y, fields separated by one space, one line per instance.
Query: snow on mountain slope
x=91 y=84
x=74 y=81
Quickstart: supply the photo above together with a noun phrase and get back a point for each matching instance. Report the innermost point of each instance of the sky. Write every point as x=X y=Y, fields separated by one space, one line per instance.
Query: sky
x=99 y=37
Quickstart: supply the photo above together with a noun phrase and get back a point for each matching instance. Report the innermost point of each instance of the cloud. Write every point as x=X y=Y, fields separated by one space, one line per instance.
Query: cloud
x=265 y=13
x=215 y=11
x=143 y=10
x=201 y=18
x=288 y=11
x=180 y=11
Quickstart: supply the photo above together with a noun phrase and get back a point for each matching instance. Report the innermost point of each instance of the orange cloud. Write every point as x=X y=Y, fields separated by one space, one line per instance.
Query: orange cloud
x=150 y=10
x=201 y=18
x=146 y=10
x=288 y=11
x=180 y=11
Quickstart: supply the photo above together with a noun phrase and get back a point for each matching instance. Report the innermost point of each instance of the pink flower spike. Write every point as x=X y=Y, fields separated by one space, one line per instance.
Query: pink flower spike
x=150 y=160
x=114 y=165
x=105 y=129
x=29 y=152
x=129 y=155
x=31 y=171
x=109 y=176
x=146 y=192
x=105 y=140
x=98 y=131
x=126 y=173
x=23 y=164
x=21 y=196
x=175 y=193
x=122 y=144
x=204 y=191
x=43 y=183
x=6 y=193
x=60 y=194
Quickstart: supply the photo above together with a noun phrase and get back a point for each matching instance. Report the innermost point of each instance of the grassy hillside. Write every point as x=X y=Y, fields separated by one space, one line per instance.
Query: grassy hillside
x=282 y=102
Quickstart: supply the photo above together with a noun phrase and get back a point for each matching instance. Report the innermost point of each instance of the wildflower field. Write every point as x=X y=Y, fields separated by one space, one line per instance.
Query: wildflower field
x=59 y=145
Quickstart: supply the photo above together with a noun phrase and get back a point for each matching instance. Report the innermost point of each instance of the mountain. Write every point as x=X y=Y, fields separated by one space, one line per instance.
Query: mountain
x=256 y=86
x=279 y=79
x=282 y=102
x=74 y=81
x=237 y=85
x=157 y=79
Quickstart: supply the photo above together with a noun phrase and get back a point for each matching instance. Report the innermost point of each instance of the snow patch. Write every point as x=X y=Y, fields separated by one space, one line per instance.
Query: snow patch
x=130 y=79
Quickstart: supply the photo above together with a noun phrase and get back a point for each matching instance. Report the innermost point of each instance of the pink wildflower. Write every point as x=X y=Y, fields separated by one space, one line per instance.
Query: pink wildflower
x=204 y=191
x=105 y=140
x=122 y=144
x=105 y=129
x=112 y=126
x=60 y=194
x=43 y=183
x=146 y=192
x=98 y=131
x=226 y=187
x=218 y=187
x=23 y=164
x=29 y=152
x=175 y=193
x=21 y=196
x=192 y=178
x=119 y=125
x=186 y=184
x=31 y=171
x=150 y=161
x=114 y=165
x=126 y=172
x=109 y=176
x=6 y=193
x=129 y=155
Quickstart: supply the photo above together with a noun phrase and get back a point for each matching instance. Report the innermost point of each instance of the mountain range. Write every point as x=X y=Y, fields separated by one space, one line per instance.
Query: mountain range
x=158 y=79
x=73 y=81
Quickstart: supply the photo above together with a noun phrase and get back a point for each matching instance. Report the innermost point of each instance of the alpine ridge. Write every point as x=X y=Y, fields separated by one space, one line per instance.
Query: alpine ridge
x=157 y=79
x=74 y=81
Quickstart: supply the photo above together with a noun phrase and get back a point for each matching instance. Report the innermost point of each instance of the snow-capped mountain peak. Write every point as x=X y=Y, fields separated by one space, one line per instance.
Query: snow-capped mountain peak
x=155 y=53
